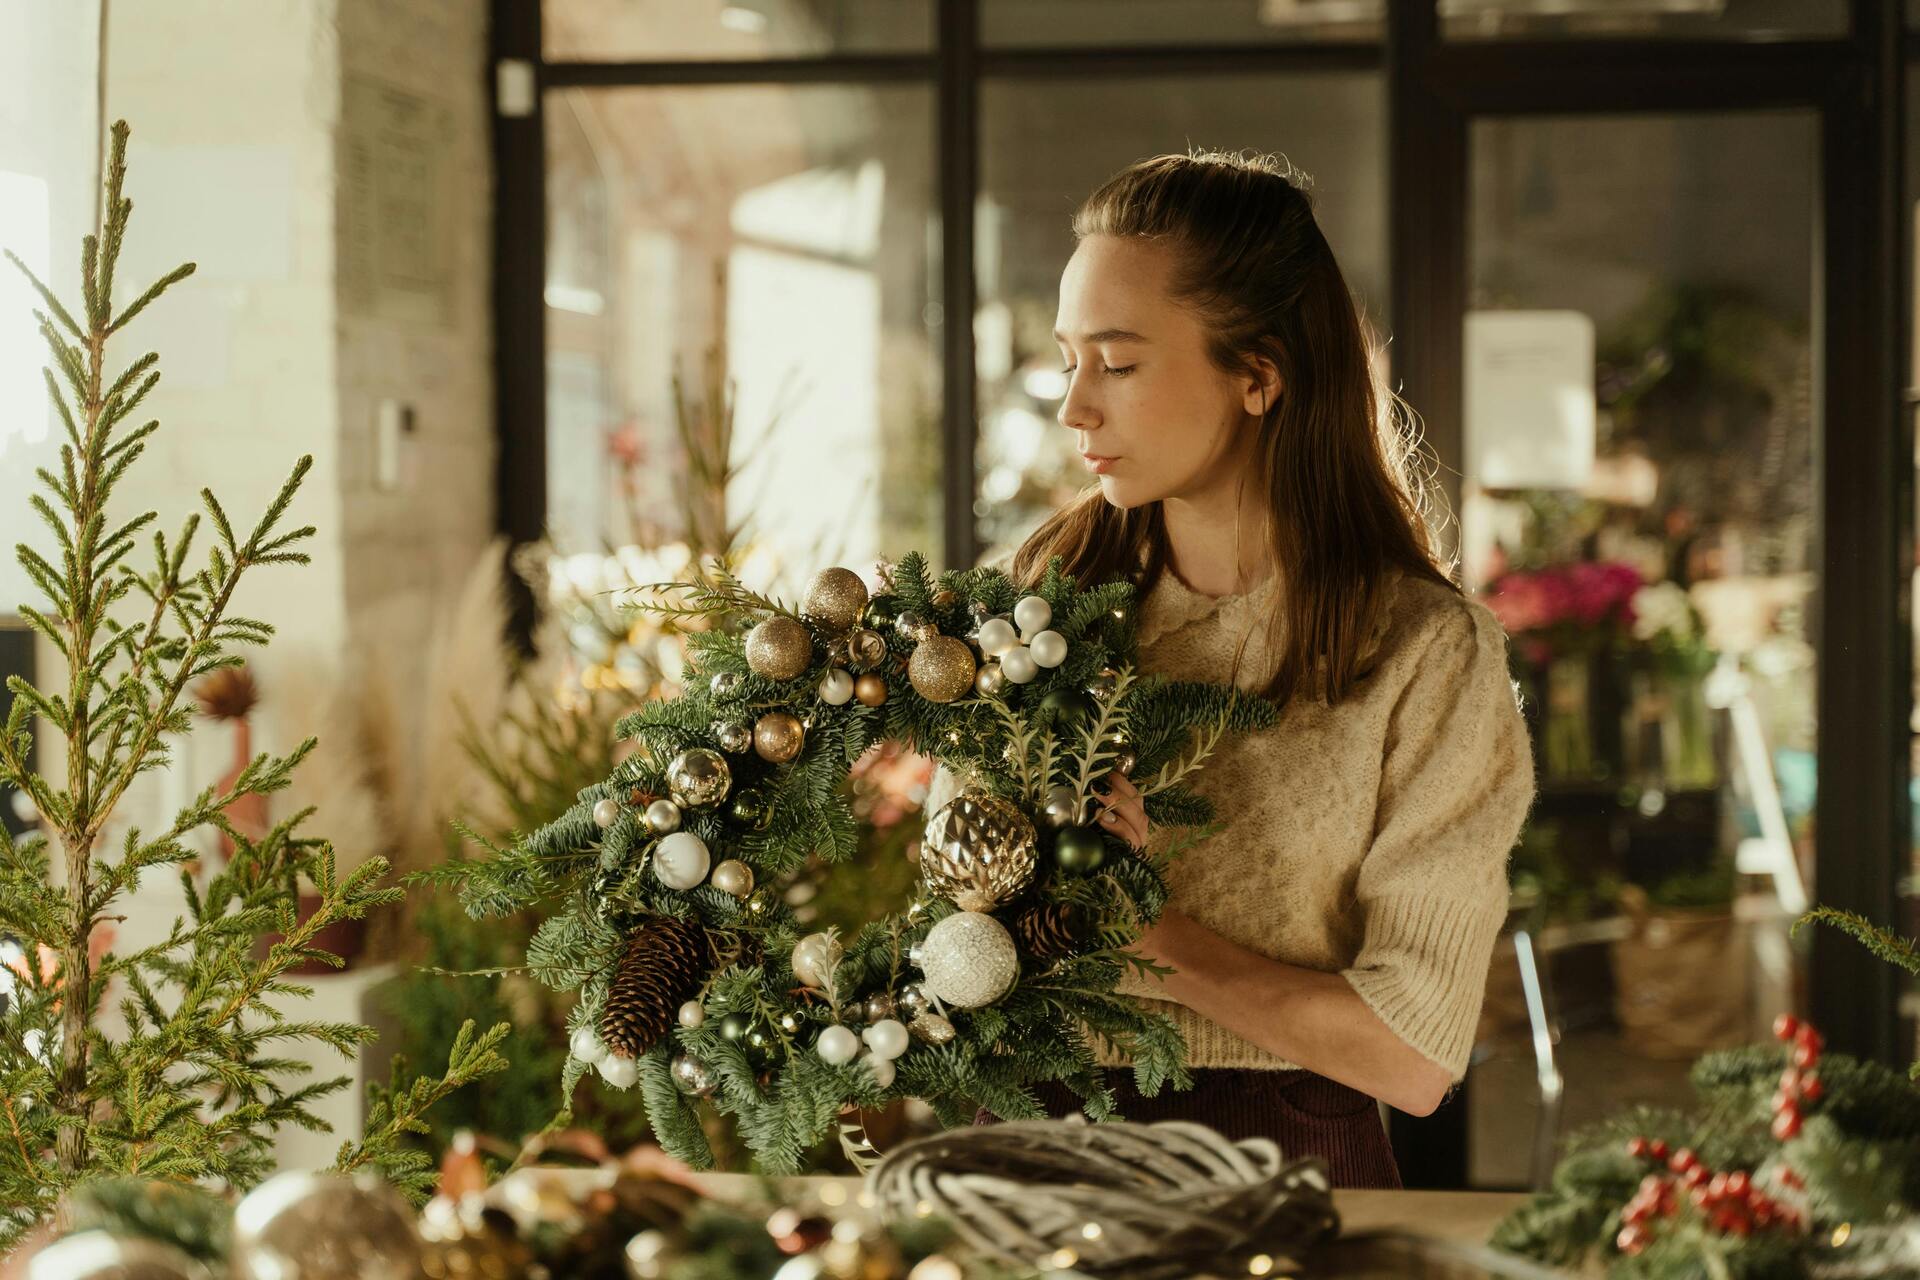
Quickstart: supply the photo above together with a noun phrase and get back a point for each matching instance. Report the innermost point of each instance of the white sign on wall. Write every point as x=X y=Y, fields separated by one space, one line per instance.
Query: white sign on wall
x=1529 y=399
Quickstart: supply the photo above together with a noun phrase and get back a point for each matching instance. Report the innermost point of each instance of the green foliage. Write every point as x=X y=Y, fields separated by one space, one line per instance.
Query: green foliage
x=194 y=1086
x=595 y=884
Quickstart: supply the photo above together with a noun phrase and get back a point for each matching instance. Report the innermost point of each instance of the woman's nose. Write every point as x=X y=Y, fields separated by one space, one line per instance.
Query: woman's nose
x=1076 y=413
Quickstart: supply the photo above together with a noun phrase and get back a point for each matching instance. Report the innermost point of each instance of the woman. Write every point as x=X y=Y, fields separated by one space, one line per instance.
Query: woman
x=1330 y=946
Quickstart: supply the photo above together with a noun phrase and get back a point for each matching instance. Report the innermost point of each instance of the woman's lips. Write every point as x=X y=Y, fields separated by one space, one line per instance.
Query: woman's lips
x=1097 y=464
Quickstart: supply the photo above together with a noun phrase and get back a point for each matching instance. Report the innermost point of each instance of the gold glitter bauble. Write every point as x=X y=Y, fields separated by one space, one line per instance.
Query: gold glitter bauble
x=835 y=598
x=779 y=649
x=979 y=851
x=871 y=690
x=942 y=668
x=778 y=736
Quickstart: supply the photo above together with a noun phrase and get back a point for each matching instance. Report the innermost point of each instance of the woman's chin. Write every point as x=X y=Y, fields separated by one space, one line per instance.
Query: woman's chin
x=1122 y=494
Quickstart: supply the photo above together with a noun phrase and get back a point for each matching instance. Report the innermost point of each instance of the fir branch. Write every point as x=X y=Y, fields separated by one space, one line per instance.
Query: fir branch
x=400 y=1109
x=1901 y=952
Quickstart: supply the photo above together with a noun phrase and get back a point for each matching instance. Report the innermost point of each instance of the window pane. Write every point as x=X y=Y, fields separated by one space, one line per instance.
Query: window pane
x=663 y=30
x=1643 y=19
x=777 y=238
x=1115 y=23
x=1639 y=507
x=1044 y=148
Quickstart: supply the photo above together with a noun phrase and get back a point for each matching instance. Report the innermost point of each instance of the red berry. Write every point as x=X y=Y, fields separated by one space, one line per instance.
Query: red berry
x=1638 y=1148
x=1790 y=1080
x=1811 y=1088
x=1700 y=1196
x=1787 y=1123
x=1636 y=1212
x=1717 y=1186
x=1738 y=1224
x=1683 y=1160
x=1658 y=1150
x=1789 y=1178
x=1805 y=1056
x=1785 y=1027
x=1632 y=1238
x=1806 y=1035
x=1782 y=1100
x=1695 y=1176
x=1739 y=1184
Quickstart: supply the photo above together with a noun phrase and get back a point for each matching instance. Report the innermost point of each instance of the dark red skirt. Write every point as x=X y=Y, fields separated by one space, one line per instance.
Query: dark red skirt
x=1305 y=1113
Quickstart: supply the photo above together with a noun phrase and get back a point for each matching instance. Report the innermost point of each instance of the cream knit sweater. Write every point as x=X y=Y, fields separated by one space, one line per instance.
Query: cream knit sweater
x=1369 y=838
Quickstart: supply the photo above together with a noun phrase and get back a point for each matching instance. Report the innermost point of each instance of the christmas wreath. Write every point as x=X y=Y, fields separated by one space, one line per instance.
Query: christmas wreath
x=696 y=980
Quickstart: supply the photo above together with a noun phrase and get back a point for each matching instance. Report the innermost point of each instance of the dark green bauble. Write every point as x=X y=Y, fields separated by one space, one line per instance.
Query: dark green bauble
x=880 y=613
x=1079 y=850
x=735 y=1026
x=753 y=808
x=759 y=1045
x=1070 y=706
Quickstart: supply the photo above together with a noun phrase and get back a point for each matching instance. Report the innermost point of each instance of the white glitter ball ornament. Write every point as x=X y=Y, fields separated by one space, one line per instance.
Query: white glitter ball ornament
x=969 y=959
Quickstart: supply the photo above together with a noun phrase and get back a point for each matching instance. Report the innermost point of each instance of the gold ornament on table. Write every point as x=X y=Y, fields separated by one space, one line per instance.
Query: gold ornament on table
x=941 y=668
x=699 y=776
x=778 y=737
x=979 y=851
x=779 y=649
x=835 y=598
x=325 y=1226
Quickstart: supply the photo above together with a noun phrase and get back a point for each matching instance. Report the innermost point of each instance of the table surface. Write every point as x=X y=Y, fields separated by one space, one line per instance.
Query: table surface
x=1465 y=1217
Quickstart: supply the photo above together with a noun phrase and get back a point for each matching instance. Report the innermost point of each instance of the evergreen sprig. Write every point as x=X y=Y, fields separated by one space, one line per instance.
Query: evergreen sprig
x=1021 y=741
x=194 y=1084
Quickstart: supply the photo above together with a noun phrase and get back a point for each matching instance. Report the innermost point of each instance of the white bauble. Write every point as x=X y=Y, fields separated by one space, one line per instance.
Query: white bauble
x=882 y=1068
x=1049 y=648
x=837 y=1046
x=1032 y=614
x=663 y=817
x=605 y=813
x=1019 y=665
x=681 y=860
x=969 y=959
x=692 y=1015
x=996 y=636
x=586 y=1045
x=619 y=1072
x=815 y=957
x=887 y=1038
x=836 y=688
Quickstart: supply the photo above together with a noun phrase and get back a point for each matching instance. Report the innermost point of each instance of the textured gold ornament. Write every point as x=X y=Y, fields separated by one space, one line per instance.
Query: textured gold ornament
x=866 y=649
x=979 y=851
x=699 y=776
x=835 y=598
x=942 y=668
x=778 y=736
x=871 y=690
x=779 y=649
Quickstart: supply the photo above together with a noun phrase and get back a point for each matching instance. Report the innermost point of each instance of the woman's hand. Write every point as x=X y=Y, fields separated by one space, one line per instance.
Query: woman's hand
x=1121 y=810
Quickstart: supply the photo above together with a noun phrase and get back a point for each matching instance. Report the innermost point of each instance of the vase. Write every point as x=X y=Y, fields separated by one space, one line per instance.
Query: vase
x=1567 y=725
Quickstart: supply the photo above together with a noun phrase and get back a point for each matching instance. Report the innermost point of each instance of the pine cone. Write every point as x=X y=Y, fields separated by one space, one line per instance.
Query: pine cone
x=664 y=962
x=1050 y=930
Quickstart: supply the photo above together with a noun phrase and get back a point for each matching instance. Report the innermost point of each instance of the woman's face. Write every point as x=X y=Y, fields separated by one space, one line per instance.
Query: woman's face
x=1156 y=416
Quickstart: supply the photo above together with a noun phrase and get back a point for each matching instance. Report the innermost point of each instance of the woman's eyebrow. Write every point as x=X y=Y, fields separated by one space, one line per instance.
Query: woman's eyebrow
x=1104 y=335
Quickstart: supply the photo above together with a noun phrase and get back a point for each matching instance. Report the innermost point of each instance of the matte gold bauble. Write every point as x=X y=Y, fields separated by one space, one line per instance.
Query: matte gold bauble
x=778 y=736
x=734 y=878
x=835 y=598
x=779 y=649
x=942 y=668
x=979 y=851
x=871 y=690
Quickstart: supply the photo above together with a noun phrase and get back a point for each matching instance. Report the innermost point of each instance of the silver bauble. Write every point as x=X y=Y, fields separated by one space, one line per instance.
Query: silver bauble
x=913 y=628
x=725 y=684
x=100 y=1255
x=969 y=960
x=323 y=1226
x=1063 y=807
x=1103 y=684
x=879 y=1006
x=734 y=736
x=911 y=1003
x=699 y=776
x=1125 y=763
x=733 y=878
x=606 y=813
x=663 y=817
x=692 y=1076
x=979 y=851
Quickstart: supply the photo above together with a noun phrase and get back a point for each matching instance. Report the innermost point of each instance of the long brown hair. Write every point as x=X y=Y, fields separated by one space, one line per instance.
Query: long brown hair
x=1337 y=466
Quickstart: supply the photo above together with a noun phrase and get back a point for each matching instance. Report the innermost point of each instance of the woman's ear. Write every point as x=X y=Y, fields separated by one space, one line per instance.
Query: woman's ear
x=1261 y=389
